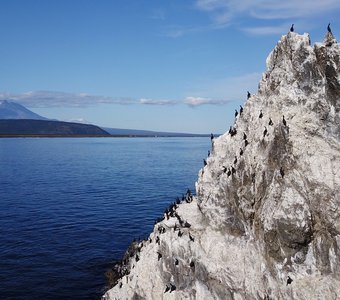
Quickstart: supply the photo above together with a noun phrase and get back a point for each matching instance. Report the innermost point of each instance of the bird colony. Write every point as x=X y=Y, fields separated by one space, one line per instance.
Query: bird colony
x=265 y=220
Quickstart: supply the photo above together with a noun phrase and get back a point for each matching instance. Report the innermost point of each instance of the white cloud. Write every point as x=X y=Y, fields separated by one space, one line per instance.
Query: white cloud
x=78 y=120
x=223 y=12
x=229 y=89
x=196 y=101
x=266 y=30
x=62 y=99
x=156 y=102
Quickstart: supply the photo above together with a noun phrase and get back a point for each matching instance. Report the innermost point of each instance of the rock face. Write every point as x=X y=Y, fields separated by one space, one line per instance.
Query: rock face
x=265 y=223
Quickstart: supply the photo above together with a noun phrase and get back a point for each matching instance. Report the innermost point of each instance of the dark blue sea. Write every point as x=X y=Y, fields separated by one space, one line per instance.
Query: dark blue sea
x=70 y=207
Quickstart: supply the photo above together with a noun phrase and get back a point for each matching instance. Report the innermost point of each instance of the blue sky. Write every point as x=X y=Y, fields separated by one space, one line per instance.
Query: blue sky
x=176 y=65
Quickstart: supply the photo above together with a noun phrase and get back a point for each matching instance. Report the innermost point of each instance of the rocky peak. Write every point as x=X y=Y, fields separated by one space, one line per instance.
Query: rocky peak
x=265 y=223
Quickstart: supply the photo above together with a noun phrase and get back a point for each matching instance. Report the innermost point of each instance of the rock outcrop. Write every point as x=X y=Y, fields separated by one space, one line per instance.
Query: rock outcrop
x=265 y=221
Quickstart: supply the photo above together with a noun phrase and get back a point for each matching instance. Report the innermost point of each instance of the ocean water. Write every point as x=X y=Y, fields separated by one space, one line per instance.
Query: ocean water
x=70 y=207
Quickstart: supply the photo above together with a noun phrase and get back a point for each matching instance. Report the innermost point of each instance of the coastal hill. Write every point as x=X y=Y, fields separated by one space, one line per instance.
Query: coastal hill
x=17 y=120
x=265 y=221
x=46 y=128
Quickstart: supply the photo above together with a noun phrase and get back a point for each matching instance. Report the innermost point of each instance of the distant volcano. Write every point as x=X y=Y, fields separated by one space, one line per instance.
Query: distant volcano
x=12 y=110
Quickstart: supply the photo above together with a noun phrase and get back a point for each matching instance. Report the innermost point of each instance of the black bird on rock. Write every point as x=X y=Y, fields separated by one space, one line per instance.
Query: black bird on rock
x=159 y=255
x=235 y=160
x=187 y=224
x=167 y=289
x=270 y=122
x=248 y=95
x=192 y=264
x=204 y=162
x=289 y=280
x=241 y=109
x=261 y=114
x=233 y=170
x=211 y=136
x=282 y=172
x=172 y=287
x=246 y=143
x=244 y=136
x=236 y=113
x=292 y=28
x=180 y=233
x=233 y=132
x=265 y=132
x=229 y=173
x=329 y=28
x=241 y=152
x=191 y=237
x=176 y=262
x=284 y=121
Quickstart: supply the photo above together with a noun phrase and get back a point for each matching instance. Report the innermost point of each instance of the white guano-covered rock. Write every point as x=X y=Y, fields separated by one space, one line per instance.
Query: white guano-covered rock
x=268 y=200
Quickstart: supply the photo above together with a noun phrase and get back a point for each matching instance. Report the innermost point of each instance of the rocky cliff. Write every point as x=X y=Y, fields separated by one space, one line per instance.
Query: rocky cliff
x=265 y=223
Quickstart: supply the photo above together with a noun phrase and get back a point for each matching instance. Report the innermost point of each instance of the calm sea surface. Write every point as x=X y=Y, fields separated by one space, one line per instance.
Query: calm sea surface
x=70 y=207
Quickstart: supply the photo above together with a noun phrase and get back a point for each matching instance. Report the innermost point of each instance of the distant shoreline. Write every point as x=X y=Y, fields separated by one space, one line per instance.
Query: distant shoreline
x=96 y=136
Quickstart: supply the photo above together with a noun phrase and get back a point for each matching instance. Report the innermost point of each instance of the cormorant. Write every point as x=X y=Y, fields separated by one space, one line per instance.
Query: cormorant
x=208 y=153
x=229 y=173
x=235 y=160
x=167 y=289
x=246 y=143
x=224 y=169
x=289 y=280
x=265 y=132
x=211 y=136
x=284 y=121
x=292 y=28
x=241 y=152
x=329 y=28
x=120 y=285
x=204 y=162
x=157 y=240
x=244 y=136
x=270 y=122
x=180 y=233
x=230 y=130
x=176 y=262
x=192 y=264
x=282 y=172
x=159 y=255
x=191 y=237
x=236 y=113
x=172 y=287
x=261 y=114
x=137 y=257
x=233 y=170
x=187 y=224
x=248 y=95
x=241 y=109
x=233 y=132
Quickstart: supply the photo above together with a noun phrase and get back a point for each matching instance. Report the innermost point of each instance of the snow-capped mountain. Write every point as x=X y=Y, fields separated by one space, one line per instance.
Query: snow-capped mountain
x=265 y=223
x=12 y=110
